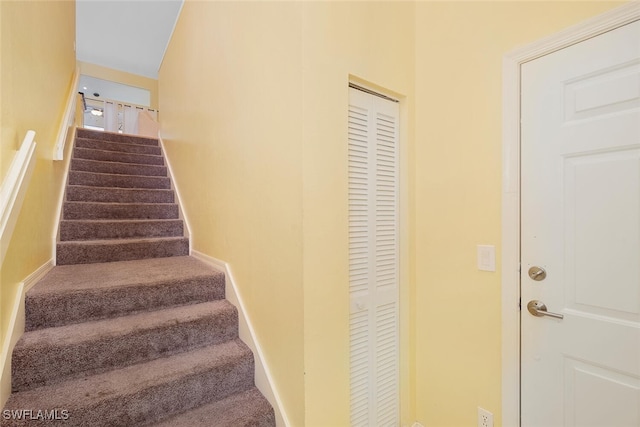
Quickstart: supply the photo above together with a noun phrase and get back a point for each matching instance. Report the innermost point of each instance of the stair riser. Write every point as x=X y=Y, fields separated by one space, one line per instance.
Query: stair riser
x=93 y=304
x=80 y=210
x=86 y=230
x=118 y=181
x=50 y=364
x=117 y=147
x=89 y=253
x=113 y=156
x=116 y=137
x=248 y=408
x=117 y=168
x=118 y=195
x=159 y=401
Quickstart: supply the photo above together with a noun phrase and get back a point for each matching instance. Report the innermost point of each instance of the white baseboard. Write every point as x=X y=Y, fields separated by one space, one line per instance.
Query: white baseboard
x=16 y=328
x=63 y=190
x=38 y=274
x=263 y=378
x=176 y=189
x=14 y=332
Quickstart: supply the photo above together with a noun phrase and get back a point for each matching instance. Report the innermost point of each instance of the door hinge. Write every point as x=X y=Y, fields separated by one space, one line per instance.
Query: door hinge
x=519 y=303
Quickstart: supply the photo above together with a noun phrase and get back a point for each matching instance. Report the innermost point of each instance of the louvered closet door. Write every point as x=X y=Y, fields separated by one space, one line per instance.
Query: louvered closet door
x=373 y=259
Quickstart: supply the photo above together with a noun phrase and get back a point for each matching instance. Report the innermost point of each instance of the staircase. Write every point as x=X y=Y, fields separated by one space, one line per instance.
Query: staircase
x=127 y=329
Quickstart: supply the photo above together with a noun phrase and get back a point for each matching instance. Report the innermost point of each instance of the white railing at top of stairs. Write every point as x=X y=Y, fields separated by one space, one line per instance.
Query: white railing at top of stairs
x=125 y=117
x=118 y=117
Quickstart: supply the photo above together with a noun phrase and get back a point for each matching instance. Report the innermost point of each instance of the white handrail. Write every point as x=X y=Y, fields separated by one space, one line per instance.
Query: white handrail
x=67 y=118
x=13 y=189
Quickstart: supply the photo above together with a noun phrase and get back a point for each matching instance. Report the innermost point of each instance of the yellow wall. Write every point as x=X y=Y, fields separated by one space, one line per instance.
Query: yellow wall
x=254 y=100
x=231 y=121
x=375 y=42
x=459 y=50
x=38 y=63
x=254 y=115
x=255 y=123
x=122 y=77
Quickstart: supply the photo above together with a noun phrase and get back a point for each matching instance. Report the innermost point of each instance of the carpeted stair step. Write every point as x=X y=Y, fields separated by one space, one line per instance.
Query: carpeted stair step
x=71 y=294
x=116 y=137
x=119 y=229
x=96 y=210
x=120 y=181
x=245 y=409
x=92 y=251
x=117 y=168
x=114 y=156
x=82 y=193
x=49 y=356
x=117 y=146
x=147 y=392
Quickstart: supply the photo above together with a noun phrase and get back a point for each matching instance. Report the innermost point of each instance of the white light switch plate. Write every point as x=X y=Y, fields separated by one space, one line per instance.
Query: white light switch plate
x=486 y=258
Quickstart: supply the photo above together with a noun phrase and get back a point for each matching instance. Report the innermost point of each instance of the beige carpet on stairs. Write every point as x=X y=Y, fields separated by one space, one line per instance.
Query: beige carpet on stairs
x=127 y=329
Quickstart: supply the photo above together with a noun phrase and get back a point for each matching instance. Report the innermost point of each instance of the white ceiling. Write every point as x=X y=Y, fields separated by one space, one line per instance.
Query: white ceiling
x=127 y=35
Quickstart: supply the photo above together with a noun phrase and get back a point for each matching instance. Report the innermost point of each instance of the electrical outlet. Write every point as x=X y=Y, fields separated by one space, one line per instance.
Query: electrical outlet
x=485 y=418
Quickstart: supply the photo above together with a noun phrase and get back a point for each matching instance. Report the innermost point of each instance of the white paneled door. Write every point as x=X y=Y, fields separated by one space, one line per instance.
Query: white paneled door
x=373 y=259
x=580 y=225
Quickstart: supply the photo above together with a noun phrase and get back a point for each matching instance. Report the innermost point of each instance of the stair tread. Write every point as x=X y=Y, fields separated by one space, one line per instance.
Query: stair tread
x=101 y=135
x=106 y=141
x=168 y=190
x=87 y=331
x=117 y=148
x=244 y=409
x=119 y=175
x=116 y=222
x=75 y=162
x=117 y=203
x=52 y=355
x=122 y=241
x=122 y=221
x=128 y=381
x=120 y=163
x=125 y=249
x=111 y=151
x=126 y=228
x=108 y=155
x=115 y=180
x=78 y=277
x=89 y=193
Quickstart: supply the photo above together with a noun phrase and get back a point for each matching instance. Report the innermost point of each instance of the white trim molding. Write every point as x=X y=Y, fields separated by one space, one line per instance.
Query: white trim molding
x=61 y=196
x=512 y=61
x=174 y=186
x=38 y=274
x=14 y=188
x=15 y=328
x=68 y=118
x=263 y=377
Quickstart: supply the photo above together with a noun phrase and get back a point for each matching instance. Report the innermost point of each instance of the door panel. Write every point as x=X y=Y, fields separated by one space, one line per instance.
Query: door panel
x=580 y=221
x=373 y=259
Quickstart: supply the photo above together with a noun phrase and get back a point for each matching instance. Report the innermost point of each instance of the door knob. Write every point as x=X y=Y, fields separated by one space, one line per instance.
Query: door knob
x=537 y=308
x=537 y=273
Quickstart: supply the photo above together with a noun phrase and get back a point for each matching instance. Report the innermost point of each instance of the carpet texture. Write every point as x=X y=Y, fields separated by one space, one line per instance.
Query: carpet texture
x=128 y=329
x=113 y=202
